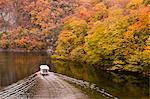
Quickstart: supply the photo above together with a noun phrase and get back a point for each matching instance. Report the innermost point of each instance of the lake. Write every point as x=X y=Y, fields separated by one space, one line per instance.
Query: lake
x=15 y=66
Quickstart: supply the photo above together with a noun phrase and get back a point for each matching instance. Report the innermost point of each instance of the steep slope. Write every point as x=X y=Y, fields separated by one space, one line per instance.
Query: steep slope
x=31 y=24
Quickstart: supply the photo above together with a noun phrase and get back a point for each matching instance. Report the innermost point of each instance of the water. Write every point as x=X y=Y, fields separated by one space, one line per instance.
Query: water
x=16 y=66
x=121 y=85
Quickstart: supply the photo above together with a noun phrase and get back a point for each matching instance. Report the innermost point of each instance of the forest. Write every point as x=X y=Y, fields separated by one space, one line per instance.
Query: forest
x=108 y=34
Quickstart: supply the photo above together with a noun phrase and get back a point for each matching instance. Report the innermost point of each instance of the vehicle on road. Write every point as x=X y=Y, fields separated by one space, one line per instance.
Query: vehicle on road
x=44 y=69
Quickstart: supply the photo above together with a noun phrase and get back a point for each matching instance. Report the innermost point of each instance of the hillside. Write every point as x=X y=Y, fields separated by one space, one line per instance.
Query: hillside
x=30 y=24
x=108 y=34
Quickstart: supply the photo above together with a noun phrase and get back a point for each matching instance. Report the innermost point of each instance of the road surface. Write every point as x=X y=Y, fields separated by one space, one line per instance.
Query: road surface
x=37 y=86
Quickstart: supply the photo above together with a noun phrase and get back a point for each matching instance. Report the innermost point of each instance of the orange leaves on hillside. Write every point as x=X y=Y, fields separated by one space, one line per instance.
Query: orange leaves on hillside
x=83 y=12
x=23 y=38
x=147 y=48
x=36 y=19
x=65 y=36
x=141 y=23
x=23 y=42
x=144 y=14
x=99 y=7
x=135 y=3
x=39 y=11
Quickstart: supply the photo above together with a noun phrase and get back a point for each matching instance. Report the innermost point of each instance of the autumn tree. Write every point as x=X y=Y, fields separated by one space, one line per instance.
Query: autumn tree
x=71 y=40
x=116 y=36
x=135 y=38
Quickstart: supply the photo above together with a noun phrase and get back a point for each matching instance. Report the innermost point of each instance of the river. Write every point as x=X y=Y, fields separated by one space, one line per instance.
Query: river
x=15 y=66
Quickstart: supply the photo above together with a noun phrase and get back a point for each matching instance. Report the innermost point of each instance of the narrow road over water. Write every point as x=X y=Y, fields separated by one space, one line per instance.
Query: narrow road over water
x=55 y=88
x=37 y=86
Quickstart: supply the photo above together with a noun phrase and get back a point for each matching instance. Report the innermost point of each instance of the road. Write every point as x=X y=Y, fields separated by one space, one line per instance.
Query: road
x=37 y=86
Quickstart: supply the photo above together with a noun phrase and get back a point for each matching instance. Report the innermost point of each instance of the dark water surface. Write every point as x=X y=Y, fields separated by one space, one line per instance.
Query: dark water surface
x=121 y=85
x=15 y=66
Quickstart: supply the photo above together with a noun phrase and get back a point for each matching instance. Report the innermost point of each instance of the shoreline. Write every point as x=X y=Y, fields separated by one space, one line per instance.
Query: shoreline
x=138 y=73
x=21 y=50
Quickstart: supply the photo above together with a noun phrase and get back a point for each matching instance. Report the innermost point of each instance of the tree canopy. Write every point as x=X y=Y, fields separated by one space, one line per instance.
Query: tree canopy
x=110 y=34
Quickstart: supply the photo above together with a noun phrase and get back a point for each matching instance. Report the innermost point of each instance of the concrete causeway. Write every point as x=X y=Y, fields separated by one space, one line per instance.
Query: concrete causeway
x=38 y=86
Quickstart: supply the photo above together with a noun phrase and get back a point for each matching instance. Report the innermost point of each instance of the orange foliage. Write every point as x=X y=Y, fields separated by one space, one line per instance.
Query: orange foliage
x=142 y=22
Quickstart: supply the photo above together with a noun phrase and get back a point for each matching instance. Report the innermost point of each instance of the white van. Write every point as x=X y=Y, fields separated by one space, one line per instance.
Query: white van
x=44 y=69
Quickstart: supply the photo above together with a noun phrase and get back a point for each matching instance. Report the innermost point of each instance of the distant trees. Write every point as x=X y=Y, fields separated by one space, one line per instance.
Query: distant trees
x=112 y=34
x=30 y=24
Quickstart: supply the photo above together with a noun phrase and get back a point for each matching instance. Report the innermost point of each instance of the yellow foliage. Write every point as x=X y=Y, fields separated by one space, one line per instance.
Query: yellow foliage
x=135 y=3
x=66 y=36
x=99 y=7
x=118 y=62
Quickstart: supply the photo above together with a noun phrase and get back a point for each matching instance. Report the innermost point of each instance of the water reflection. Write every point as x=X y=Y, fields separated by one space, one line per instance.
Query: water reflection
x=16 y=66
x=121 y=85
